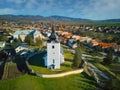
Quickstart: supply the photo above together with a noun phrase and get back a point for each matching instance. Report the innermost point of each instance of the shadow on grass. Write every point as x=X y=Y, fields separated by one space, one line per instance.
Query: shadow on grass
x=90 y=81
x=66 y=65
x=9 y=71
x=69 y=60
x=84 y=82
x=2 y=69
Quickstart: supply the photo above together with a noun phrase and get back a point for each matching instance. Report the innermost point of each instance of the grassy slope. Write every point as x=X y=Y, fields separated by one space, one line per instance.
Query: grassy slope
x=26 y=82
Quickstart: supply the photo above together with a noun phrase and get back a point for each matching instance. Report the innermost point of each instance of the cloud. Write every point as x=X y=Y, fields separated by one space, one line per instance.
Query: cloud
x=16 y=1
x=7 y=11
x=31 y=4
x=102 y=9
x=91 y=9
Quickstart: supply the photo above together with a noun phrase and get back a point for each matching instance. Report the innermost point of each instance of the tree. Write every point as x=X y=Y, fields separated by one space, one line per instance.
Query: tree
x=80 y=45
x=3 y=38
x=39 y=42
x=112 y=84
x=28 y=39
x=116 y=59
x=108 y=59
x=77 y=57
x=16 y=42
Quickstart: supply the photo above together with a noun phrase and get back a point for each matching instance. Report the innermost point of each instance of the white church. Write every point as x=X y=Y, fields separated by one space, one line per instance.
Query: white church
x=54 y=54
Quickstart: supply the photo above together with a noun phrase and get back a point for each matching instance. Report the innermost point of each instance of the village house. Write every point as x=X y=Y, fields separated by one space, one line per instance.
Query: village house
x=2 y=44
x=72 y=43
x=87 y=39
x=116 y=48
x=21 y=47
x=21 y=34
x=76 y=37
x=94 y=42
x=106 y=45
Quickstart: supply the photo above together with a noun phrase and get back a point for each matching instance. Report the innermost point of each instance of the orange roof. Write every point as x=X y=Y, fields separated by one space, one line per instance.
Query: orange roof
x=94 y=42
x=76 y=37
x=106 y=45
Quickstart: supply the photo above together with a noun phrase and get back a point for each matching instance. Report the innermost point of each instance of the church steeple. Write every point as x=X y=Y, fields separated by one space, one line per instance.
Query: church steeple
x=54 y=58
x=53 y=35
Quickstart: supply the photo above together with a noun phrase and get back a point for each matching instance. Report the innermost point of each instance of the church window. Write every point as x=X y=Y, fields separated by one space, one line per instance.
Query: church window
x=53 y=61
x=53 y=47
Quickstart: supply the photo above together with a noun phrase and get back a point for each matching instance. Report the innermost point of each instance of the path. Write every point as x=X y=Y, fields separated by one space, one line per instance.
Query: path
x=60 y=74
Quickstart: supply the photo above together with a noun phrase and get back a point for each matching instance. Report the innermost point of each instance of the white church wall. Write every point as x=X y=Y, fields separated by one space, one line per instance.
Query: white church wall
x=61 y=58
x=53 y=55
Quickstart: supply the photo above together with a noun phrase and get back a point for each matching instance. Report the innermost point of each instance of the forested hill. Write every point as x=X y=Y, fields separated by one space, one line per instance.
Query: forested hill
x=52 y=18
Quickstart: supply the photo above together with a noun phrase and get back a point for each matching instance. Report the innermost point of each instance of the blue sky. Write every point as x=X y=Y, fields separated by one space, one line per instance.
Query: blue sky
x=89 y=9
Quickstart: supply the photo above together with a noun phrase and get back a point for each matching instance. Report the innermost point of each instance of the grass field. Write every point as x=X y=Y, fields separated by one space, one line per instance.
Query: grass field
x=27 y=82
x=115 y=68
x=11 y=71
x=104 y=24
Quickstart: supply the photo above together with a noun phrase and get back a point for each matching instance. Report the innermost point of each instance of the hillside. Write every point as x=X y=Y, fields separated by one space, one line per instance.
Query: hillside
x=31 y=82
x=27 y=82
x=52 y=18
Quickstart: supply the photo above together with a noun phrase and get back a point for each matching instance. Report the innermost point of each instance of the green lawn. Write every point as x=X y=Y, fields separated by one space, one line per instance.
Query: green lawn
x=45 y=70
x=90 y=59
x=114 y=66
x=106 y=70
x=68 y=56
x=33 y=47
x=27 y=82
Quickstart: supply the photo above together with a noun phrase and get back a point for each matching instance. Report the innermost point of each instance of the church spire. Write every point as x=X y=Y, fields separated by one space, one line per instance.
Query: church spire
x=53 y=29
x=53 y=35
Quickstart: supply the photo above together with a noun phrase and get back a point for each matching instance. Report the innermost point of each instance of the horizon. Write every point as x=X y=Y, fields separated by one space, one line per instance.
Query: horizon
x=84 y=9
x=58 y=16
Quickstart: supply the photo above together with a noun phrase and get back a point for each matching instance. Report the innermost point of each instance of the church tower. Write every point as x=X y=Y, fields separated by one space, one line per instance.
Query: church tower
x=53 y=51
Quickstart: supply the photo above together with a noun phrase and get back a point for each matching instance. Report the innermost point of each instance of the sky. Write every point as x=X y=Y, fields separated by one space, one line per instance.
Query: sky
x=87 y=9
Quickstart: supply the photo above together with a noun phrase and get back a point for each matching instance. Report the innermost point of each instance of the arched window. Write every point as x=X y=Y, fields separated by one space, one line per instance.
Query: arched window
x=53 y=61
x=53 y=47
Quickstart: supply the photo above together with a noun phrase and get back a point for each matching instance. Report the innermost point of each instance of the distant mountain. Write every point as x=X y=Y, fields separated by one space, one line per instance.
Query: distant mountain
x=21 y=17
x=111 y=20
x=52 y=18
x=69 y=19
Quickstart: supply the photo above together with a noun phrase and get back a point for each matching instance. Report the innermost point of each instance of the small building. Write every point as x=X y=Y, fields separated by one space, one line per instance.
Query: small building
x=21 y=47
x=72 y=43
x=95 y=43
x=2 y=44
